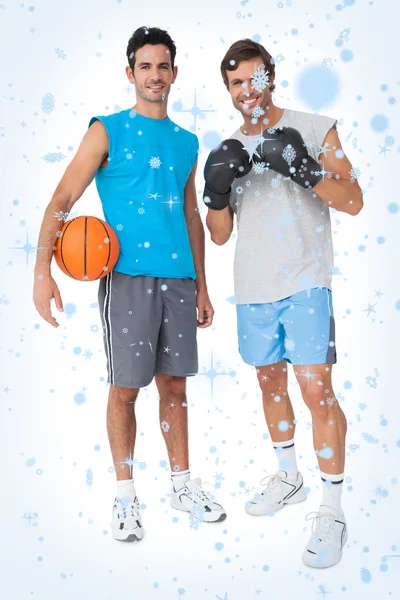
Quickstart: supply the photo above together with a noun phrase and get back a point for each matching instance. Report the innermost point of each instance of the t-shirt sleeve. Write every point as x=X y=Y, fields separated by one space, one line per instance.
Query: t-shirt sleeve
x=321 y=126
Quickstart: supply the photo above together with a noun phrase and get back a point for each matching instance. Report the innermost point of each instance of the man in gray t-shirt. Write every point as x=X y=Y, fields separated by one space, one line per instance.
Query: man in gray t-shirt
x=279 y=173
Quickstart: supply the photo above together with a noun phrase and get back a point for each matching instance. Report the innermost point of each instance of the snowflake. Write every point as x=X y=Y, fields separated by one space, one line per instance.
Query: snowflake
x=369 y=438
x=371 y=381
x=30 y=462
x=176 y=468
x=61 y=216
x=155 y=162
x=259 y=168
x=289 y=154
x=141 y=211
x=196 y=514
x=354 y=173
x=257 y=112
x=119 y=227
x=353 y=448
x=389 y=140
x=87 y=354
x=248 y=183
x=111 y=469
x=60 y=53
x=260 y=79
x=94 y=328
x=53 y=157
x=48 y=103
x=331 y=401
x=327 y=62
x=39 y=471
x=279 y=58
x=344 y=35
x=276 y=182
x=165 y=426
x=142 y=465
x=125 y=330
x=239 y=189
x=89 y=477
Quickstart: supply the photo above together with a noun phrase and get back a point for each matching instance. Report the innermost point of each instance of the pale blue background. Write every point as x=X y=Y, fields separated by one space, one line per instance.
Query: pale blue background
x=57 y=486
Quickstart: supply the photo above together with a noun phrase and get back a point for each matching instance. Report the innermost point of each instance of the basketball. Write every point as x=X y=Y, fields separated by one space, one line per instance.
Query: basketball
x=87 y=248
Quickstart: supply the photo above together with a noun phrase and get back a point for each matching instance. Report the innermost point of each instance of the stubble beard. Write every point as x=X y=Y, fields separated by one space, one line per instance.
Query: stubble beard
x=147 y=97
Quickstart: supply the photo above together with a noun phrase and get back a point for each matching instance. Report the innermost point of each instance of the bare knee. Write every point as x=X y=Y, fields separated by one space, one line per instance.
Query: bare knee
x=170 y=384
x=123 y=395
x=273 y=382
x=321 y=402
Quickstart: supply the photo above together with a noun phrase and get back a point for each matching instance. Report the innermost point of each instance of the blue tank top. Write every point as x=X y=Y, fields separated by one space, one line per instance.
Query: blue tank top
x=142 y=193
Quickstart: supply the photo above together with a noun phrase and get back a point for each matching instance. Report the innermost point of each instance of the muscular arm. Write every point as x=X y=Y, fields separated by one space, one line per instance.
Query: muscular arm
x=220 y=224
x=195 y=229
x=78 y=175
x=338 y=191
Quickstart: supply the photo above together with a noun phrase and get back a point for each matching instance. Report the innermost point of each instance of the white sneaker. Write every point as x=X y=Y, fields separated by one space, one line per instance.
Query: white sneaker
x=279 y=491
x=192 y=498
x=328 y=536
x=126 y=520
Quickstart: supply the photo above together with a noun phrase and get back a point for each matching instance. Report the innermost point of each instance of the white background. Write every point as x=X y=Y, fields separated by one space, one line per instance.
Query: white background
x=48 y=441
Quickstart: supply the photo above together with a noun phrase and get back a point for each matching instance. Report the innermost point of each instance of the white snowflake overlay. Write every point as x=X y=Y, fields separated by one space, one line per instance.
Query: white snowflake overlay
x=155 y=162
x=260 y=79
x=289 y=154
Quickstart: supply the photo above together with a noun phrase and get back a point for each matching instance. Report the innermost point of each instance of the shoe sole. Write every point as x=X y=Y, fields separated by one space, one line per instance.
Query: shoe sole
x=273 y=509
x=221 y=517
x=131 y=538
x=312 y=566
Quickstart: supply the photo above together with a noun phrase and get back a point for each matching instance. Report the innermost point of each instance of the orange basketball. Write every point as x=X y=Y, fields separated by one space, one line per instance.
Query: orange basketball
x=87 y=248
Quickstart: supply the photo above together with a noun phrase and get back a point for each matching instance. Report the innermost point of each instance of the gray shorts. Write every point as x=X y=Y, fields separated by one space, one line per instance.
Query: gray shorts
x=150 y=326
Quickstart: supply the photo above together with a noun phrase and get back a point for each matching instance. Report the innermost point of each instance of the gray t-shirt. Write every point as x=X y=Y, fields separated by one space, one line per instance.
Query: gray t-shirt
x=284 y=243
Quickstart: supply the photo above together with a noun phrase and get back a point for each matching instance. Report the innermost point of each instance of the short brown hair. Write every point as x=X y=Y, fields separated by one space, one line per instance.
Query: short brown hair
x=243 y=50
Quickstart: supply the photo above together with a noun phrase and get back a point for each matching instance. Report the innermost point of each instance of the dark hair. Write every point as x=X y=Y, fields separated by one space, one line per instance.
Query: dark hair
x=244 y=50
x=149 y=35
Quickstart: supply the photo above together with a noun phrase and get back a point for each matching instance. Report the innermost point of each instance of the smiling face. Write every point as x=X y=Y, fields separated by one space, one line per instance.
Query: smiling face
x=243 y=86
x=153 y=74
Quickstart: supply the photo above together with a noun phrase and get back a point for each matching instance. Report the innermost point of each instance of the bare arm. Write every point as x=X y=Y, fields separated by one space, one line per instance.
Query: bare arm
x=196 y=237
x=78 y=175
x=220 y=224
x=338 y=191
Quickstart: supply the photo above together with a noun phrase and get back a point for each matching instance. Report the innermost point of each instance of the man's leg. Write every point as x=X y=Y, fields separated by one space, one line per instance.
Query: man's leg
x=121 y=429
x=329 y=423
x=174 y=419
x=131 y=318
x=286 y=487
x=276 y=402
x=329 y=531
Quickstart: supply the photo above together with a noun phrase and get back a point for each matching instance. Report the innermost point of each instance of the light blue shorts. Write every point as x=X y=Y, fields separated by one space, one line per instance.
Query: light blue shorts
x=299 y=329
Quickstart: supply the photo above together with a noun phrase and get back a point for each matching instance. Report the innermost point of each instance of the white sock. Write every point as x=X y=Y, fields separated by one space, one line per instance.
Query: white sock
x=126 y=489
x=179 y=479
x=332 y=490
x=286 y=455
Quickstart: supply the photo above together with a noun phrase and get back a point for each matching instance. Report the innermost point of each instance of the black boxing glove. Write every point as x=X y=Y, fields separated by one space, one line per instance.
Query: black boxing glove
x=226 y=162
x=283 y=151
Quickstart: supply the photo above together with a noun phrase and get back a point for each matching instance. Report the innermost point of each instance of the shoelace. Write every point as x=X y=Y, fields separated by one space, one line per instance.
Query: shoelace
x=323 y=526
x=130 y=509
x=270 y=482
x=200 y=495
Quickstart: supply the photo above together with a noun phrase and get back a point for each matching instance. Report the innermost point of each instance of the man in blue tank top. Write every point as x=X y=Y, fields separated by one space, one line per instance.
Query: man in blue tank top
x=155 y=298
x=279 y=173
